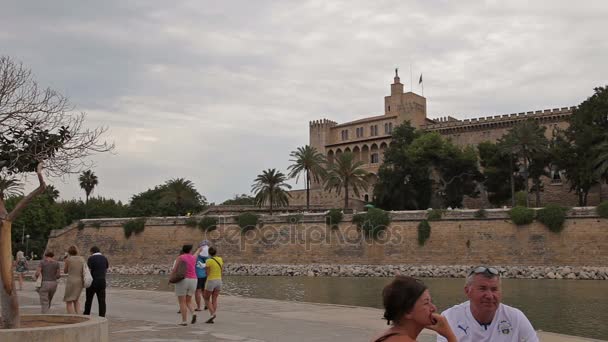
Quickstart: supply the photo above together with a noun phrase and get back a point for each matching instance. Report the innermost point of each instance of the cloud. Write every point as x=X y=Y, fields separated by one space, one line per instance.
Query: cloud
x=216 y=93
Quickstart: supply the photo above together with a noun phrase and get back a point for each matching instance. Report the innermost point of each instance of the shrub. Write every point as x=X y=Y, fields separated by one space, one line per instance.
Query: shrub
x=97 y=225
x=521 y=215
x=424 y=232
x=247 y=221
x=294 y=218
x=80 y=225
x=552 y=216
x=191 y=222
x=134 y=227
x=333 y=217
x=208 y=224
x=602 y=209
x=373 y=222
x=434 y=214
x=481 y=213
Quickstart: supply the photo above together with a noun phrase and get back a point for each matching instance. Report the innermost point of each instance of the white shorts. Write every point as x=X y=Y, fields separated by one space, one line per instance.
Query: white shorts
x=186 y=287
x=215 y=284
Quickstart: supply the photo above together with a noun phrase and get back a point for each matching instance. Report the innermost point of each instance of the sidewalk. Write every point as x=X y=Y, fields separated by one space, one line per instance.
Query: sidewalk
x=150 y=316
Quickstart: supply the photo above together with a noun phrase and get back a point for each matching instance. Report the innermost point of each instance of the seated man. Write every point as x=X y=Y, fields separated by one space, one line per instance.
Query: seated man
x=484 y=317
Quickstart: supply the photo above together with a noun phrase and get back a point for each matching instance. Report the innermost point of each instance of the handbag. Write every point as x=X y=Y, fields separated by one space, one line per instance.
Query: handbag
x=38 y=281
x=178 y=273
x=87 y=278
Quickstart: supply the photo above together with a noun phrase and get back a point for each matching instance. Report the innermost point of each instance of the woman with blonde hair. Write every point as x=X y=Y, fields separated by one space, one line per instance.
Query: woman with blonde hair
x=74 y=268
x=20 y=267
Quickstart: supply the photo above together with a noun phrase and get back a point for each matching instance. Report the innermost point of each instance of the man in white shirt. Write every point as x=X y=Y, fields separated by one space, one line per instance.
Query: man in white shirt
x=483 y=317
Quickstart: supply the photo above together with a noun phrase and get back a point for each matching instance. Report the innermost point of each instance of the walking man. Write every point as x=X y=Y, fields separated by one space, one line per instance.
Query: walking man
x=483 y=318
x=98 y=264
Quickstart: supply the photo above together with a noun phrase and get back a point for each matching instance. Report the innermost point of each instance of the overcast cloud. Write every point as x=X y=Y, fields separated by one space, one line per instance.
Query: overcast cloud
x=216 y=92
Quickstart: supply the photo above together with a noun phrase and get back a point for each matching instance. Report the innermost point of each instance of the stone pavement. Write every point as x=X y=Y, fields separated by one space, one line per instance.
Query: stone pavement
x=150 y=316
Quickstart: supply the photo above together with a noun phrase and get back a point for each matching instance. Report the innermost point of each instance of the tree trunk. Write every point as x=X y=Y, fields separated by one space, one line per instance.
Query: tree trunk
x=8 y=295
x=270 y=202
x=86 y=207
x=537 y=186
x=527 y=184
x=345 y=195
x=512 y=182
x=307 y=192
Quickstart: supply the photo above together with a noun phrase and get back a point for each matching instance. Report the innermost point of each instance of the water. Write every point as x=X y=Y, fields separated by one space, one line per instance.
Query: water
x=572 y=307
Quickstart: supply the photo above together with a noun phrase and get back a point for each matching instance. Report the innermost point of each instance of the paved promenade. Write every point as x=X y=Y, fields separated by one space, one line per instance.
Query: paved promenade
x=150 y=316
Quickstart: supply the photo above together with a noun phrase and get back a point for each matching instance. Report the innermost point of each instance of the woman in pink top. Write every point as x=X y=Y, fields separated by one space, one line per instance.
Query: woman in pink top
x=185 y=289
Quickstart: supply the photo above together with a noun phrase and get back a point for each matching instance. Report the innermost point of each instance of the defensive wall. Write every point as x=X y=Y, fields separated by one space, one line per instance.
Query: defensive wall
x=457 y=239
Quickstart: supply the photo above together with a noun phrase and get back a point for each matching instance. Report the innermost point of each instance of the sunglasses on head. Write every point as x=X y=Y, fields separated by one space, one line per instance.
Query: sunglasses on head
x=483 y=269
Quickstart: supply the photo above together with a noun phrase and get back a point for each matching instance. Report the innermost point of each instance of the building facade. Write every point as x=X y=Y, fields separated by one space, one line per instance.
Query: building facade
x=368 y=138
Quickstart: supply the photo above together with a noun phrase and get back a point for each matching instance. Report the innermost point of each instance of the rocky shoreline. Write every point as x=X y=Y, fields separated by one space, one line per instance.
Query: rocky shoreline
x=428 y=271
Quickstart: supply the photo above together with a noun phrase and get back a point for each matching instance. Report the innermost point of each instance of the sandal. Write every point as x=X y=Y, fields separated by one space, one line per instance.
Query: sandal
x=193 y=319
x=210 y=320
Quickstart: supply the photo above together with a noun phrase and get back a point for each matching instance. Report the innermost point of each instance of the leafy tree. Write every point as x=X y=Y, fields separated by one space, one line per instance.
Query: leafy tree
x=10 y=187
x=87 y=180
x=269 y=187
x=147 y=203
x=51 y=192
x=98 y=207
x=38 y=134
x=181 y=196
x=527 y=140
x=579 y=149
x=402 y=184
x=497 y=169
x=242 y=199
x=345 y=173
x=309 y=161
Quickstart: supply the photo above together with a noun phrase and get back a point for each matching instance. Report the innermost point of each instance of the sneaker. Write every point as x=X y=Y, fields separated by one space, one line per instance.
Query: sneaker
x=183 y=324
x=193 y=319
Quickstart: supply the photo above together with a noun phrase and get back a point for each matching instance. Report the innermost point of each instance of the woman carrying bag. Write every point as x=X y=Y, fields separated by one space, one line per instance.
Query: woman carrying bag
x=183 y=275
x=49 y=271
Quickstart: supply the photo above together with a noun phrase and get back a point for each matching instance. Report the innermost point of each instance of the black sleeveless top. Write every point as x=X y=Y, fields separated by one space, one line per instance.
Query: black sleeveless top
x=383 y=338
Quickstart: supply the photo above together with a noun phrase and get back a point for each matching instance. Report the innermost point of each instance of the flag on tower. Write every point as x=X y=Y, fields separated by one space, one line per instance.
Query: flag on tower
x=420 y=81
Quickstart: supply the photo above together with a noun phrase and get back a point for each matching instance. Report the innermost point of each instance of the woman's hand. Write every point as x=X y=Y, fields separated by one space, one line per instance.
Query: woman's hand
x=442 y=327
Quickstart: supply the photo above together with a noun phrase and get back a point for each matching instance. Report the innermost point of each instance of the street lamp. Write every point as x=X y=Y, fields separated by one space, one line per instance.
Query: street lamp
x=27 y=243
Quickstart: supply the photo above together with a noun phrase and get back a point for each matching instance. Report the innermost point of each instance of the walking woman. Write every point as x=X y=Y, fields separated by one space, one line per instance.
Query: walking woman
x=74 y=267
x=214 y=266
x=186 y=288
x=408 y=305
x=20 y=267
x=50 y=271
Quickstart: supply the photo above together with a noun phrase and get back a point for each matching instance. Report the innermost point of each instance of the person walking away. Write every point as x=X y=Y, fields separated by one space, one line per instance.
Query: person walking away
x=74 y=268
x=214 y=266
x=50 y=271
x=186 y=288
x=98 y=264
x=21 y=267
x=201 y=273
x=483 y=318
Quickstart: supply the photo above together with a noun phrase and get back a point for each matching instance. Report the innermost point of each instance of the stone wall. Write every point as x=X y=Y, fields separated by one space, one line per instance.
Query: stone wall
x=457 y=239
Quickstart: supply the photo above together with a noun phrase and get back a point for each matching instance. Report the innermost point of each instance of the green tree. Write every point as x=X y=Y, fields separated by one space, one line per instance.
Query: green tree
x=10 y=187
x=497 y=169
x=579 y=148
x=527 y=140
x=88 y=181
x=346 y=173
x=309 y=161
x=269 y=187
x=51 y=192
x=39 y=134
x=181 y=197
x=242 y=199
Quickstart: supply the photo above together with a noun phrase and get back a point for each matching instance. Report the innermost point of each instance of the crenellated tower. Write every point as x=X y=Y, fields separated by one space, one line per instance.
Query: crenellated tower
x=407 y=106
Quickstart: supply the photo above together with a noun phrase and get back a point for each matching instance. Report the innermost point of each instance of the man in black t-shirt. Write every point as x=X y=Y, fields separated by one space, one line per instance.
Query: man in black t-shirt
x=98 y=264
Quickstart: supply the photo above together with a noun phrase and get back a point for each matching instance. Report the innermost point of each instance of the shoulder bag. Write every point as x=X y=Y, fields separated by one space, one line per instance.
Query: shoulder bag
x=178 y=273
x=87 y=278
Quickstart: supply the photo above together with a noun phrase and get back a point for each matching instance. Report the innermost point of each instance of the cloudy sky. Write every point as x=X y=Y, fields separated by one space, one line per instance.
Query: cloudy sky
x=217 y=91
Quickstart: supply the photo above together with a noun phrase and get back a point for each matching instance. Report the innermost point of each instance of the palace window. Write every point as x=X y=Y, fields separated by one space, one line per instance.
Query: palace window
x=344 y=134
x=373 y=130
x=556 y=176
x=359 y=132
x=388 y=128
x=375 y=158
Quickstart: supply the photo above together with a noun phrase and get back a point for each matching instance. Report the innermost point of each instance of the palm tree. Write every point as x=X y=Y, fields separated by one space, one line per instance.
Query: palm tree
x=524 y=140
x=51 y=192
x=310 y=162
x=182 y=195
x=10 y=187
x=269 y=187
x=88 y=181
x=345 y=173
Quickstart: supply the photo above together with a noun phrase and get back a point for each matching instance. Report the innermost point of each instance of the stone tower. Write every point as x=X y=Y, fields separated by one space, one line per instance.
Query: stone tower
x=407 y=106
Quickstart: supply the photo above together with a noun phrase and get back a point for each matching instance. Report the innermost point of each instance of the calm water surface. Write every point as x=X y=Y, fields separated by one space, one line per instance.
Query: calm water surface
x=573 y=307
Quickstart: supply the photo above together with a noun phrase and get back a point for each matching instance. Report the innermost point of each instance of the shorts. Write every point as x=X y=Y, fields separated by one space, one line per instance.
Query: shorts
x=186 y=287
x=200 y=283
x=215 y=284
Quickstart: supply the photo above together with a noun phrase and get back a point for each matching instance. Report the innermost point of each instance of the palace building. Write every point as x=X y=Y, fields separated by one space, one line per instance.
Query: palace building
x=368 y=138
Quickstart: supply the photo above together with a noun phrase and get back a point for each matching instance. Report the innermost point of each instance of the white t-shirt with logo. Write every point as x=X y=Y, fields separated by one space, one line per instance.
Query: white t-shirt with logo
x=509 y=325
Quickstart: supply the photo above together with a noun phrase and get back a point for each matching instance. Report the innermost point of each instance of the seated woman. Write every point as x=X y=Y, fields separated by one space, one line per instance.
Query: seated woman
x=408 y=305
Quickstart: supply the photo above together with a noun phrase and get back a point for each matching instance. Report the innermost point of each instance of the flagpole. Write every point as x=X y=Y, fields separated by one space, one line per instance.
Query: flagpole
x=411 y=80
